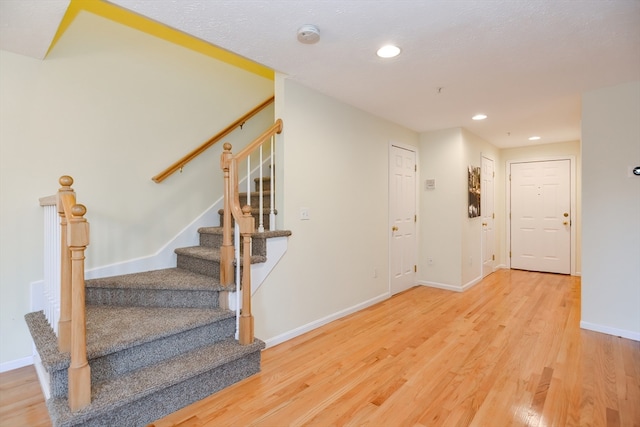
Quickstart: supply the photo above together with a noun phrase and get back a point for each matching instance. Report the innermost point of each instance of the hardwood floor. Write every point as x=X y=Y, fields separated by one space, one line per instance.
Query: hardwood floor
x=508 y=352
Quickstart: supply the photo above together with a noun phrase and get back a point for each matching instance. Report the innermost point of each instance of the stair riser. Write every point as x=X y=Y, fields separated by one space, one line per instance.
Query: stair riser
x=164 y=402
x=214 y=240
x=152 y=298
x=198 y=265
x=202 y=266
x=266 y=184
x=265 y=220
x=255 y=200
x=130 y=359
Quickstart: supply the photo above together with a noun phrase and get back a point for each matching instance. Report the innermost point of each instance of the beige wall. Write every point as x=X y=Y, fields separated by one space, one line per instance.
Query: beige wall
x=448 y=237
x=333 y=160
x=112 y=107
x=441 y=158
x=611 y=210
x=471 y=261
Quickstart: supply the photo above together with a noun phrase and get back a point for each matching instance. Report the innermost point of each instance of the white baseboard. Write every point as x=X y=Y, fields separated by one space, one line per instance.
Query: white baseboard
x=15 y=364
x=472 y=283
x=323 y=321
x=445 y=286
x=635 y=336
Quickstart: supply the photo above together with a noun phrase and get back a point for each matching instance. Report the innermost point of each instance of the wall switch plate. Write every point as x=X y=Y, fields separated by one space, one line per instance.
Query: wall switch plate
x=305 y=215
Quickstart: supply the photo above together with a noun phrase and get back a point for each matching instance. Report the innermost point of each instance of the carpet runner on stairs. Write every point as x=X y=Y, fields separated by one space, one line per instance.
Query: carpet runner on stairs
x=156 y=341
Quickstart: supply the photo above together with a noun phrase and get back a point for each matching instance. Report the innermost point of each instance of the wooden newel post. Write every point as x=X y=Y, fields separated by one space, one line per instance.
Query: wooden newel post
x=64 y=323
x=247 y=225
x=226 y=251
x=79 y=370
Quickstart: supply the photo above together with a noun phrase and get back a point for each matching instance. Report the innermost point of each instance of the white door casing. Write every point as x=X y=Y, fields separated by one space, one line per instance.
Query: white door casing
x=487 y=211
x=540 y=211
x=402 y=218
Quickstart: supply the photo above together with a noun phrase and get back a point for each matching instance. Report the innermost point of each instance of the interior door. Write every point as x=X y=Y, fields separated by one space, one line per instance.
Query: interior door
x=488 y=216
x=402 y=214
x=541 y=216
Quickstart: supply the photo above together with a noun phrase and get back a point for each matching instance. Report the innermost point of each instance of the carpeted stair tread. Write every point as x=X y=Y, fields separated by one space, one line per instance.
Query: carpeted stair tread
x=211 y=254
x=257 y=235
x=111 y=329
x=169 y=279
x=111 y=395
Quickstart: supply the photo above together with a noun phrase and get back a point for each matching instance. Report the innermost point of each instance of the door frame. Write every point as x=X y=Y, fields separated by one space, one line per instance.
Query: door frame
x=414 y=149
x=493 y=190
x=572 y=197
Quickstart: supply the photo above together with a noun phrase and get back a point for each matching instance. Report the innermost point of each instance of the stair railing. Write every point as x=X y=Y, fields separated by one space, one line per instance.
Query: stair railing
x=72 y=336
x=177 y=166
x=246 y=224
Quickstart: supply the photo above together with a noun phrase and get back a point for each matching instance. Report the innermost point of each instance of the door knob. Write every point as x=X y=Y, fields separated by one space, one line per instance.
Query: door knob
x=394 y=228
x=566 y=223
x=484 y=224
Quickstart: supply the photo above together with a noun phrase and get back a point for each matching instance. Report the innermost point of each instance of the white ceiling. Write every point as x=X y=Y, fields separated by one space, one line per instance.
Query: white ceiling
x=523 y=63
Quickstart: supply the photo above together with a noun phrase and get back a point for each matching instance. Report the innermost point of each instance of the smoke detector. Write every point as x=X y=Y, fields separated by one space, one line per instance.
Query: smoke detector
x=308 y=34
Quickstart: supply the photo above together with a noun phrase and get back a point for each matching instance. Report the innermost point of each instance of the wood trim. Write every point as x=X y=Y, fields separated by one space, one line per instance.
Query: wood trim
x=195 y=153
x=48 y=200
x=276 y=128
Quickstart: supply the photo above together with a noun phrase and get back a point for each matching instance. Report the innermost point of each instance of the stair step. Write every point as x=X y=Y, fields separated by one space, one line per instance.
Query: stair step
x=205 y=260
x=172 y=287
x=255 y=199
x=255 y=212
x=151 y=393
x=115 y=348
x=212 y=237
x=266 y=183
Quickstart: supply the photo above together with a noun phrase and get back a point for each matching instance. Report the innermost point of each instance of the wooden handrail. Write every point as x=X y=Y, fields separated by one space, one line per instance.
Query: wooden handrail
x=72 y=336
x=246 y=224
x=195 y=153
x=272 y=130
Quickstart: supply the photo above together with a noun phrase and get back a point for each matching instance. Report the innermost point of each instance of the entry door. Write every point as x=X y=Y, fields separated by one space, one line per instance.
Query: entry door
x=488 y=217
x=402 y=214
x=541 y=216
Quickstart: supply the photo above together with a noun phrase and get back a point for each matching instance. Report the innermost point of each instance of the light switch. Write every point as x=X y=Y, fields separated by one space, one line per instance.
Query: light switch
x=304 y=214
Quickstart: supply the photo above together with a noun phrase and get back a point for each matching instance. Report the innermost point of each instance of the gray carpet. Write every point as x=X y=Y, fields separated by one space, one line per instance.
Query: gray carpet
x=156 y=341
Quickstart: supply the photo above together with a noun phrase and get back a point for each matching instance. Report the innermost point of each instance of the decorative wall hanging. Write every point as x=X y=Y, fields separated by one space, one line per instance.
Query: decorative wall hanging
x=474 y=191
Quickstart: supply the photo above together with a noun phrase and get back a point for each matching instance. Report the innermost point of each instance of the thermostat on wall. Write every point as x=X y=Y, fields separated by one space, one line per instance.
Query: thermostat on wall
x=430 y=184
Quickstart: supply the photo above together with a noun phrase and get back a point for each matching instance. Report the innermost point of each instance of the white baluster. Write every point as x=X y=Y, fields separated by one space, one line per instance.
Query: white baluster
x=249 y=180
x=260 y=197
x=272 y=183
x=236 y=245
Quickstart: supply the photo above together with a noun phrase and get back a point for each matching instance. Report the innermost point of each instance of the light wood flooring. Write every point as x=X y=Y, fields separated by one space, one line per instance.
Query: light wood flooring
x=507 y=352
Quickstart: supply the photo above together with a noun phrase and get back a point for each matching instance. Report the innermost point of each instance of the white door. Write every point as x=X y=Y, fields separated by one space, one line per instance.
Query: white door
x=541 y=216
x=488 y=217
x=402 y=214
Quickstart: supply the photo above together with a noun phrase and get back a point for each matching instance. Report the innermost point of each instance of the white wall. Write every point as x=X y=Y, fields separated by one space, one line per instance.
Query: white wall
x=611 y=210
x=441 y=158
x=333 y=159
x=471 y=261
x=448 y=236
x=111 y=107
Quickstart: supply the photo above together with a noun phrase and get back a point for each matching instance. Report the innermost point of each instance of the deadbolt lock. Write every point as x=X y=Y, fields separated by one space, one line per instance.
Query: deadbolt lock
x=566 y=214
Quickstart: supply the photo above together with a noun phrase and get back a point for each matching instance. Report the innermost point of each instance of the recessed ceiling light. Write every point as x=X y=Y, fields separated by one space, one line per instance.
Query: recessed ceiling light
x=388 y=51
x=479 y=117
x=534 y=138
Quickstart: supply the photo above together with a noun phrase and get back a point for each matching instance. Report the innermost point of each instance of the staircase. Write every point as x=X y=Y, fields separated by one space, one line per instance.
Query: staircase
x=156 y=341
